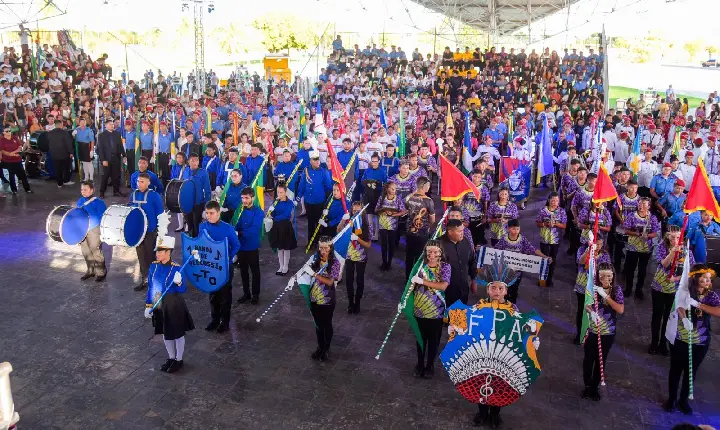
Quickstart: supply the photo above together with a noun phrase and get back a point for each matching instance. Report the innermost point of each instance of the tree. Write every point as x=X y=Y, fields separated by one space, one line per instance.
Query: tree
x=711 y=50
x=692 y=49
x=283 y=31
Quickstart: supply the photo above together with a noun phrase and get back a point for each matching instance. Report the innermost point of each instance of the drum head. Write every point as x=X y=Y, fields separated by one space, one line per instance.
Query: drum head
x=135 y=226
x=187 y=197
x=74 y=226
x=172 y=195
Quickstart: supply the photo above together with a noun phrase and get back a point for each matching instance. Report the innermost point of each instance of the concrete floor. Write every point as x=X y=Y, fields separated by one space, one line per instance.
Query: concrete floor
x=84 y=356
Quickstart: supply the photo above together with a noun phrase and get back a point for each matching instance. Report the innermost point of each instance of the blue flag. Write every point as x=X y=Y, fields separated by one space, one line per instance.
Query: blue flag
x=383 y=121
x=545 y=160
x=467 y=147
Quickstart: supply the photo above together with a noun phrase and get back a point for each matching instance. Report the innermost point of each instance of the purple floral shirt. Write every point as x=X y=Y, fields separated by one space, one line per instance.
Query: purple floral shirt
x=588 y=218
x=661 y=281
x=404 y=186
x=521 y=245
x=551 y=235
x=581 y=278
x=608 y=316
x=582 y=199
x=634 y=222
x=322 y=294
x=701 y=321
x=569 y=183
x=472 y=206
x=629 y=205
x=389 y=222
x=427 y=163
x=430 y=303
x=509 y=211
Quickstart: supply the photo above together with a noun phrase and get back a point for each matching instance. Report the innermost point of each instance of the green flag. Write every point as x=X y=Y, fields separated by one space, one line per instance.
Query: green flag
x=401 y=143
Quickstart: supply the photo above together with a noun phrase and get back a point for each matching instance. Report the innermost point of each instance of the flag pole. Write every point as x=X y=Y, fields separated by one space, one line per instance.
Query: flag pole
x=595 y=299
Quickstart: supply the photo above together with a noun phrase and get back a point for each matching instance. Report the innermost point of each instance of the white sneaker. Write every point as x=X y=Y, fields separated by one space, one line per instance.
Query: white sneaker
x=59 y=186
x=69 y=183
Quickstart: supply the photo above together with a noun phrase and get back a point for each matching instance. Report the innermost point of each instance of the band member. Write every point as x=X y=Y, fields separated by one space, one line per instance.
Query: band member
x=143 y=165
x=603 y=323
x=641 y=227
x=404 y=186
x=128 y=143
x=248 y=231
x=390 y=163
x=430 y=283
x=284 y=170
x=91 y=246
x=630 y=200
x=477 y=209
x=253 y=163
x=314 y=187
x=551 y=219
x=586 y=220
x=165 y=142
x=191 y=146
x=332 y=216
x=171 y=317
x=514 y=241
x=147 y=141
x=110 y=154
x=581 y=199
x=202 y=190
x=693 y=326
x=583 y=264
x=150 y=202
x=421 y=215
x=325 y=271
x=180 y=171
x=498 y=214
x=211 y=164
x=372 y=182
x=282 y=234
x=389 y=208
x=356 y=258
x=233 y=198
x=85 y=139
x=226 y=169
x=220 y=300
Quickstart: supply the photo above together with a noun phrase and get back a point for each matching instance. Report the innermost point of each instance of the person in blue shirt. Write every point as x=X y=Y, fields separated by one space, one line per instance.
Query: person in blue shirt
x=303 y=153
x=128 y=138
x=217 y=124
x=314 y=187
x=248 y=229
x=390 y=163
x=663 y=182
x=337 y=44
x=85 y=139
x=211 y=163
x=146 y=140
x=253 y=163
x=155 y=183
x=284 y=169
x=220 y=300
x=232 y=197
x=129 y=100
x=91 y=246
x=165 y=141
x=493 y=132
x=227 y=167
x=332 y=216
x=280 y=220
x=346 y=154
x=150 y=202
x=671 y=203
x=698 y=244
x=180 y=171
x=171 y=317
x=373 y=182
x=202 y=190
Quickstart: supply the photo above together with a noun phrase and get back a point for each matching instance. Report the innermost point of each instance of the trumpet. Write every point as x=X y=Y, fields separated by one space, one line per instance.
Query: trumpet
x=645 y=228
x=417 y=222
x=552 y=219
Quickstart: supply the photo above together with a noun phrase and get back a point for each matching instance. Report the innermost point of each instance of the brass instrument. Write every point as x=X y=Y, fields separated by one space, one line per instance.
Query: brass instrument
x=417 y=222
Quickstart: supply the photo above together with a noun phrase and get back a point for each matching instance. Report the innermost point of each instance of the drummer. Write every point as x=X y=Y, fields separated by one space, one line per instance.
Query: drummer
x=232 y=197
x=155 y=183
x=150 y=202
x=91 y=246
x=180 y=171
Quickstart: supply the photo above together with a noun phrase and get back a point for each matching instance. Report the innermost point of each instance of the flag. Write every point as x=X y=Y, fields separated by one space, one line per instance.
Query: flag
x=681 y=297
x=604 y=189
x=510 y=134
x=467 y=159
x=589 y=294
x=453 y=184
x=303 y=130
x=401 y=136
x=545 y=159
x=208 y=120
x=336 y=171
x=701 y=196
x=318 y=113
x=156 y=142
x=138 y=148
x=448 y=118
x=173 y=144
x=383 y=119
x=635 y=156
x=676 y=143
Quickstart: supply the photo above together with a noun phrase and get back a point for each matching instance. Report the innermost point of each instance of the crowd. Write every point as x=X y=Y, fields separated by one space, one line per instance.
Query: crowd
x=387 y=119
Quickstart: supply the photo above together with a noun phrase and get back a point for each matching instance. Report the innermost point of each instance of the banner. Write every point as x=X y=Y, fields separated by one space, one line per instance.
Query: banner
x=212 y=271
x=515 y=261
x=515 y=175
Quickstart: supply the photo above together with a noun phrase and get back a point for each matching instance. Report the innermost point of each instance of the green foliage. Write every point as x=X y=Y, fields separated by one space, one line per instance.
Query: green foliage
x=711 y=50
x=692 y=48
x=282 y=31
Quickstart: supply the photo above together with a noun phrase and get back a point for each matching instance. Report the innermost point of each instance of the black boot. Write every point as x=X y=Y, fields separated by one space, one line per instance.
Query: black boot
x=663 y=348
x=429 y=371
x=586 y=393
x=684 y=407
x=175 y=366
x=351 y=308
x=86 y=276
x=669 y=405
x=167 y=364
x=356 y=308
x=213 y=325
x=481 y=416
x=316 y=355
x=495 y=420
x=141 y=287
x=419 y=371
x=653 y=350
x=325 y=355
x=223 y=327
x=244 y=298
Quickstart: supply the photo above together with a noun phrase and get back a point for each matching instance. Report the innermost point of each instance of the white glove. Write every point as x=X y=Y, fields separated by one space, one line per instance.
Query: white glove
x=234 y=258
x=323 y=223
x=309 y=271
x=152 y=159
x=692 y=302
x=223 y=210
x=346 y=217
x=401 y=306
x=325 y=212
x=601 y=292
x=268 y=224
x=687 y=324
x=272 y=208
x=353 y=236
x=148 y=313
x=295 y=202
x=417 y=280
x=595 y=317
x=177 y=278
x=218 y=189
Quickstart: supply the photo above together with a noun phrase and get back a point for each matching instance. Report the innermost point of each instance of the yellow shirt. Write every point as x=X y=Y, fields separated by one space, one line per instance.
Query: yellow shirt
x=539 y=106
x=475 y=100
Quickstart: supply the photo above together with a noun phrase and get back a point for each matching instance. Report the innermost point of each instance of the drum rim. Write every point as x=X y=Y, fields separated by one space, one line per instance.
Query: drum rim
x=47 y=221
x=103 y=225
x=63 y=219
x=145 y=226
x=165 y=197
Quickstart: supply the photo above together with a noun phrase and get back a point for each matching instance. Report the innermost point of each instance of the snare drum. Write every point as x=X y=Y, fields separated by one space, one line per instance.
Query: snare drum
x=67 y=224
x=179 y=196
x=123 y=225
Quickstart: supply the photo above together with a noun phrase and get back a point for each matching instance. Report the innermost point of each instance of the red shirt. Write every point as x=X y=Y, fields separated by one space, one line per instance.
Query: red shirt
x=10 y=145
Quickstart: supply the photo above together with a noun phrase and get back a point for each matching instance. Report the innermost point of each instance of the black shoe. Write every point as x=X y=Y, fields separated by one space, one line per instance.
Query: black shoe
x=100 y=278
x=576 y=340
x=86 y=276
x=325 y=355
x=684 y=407
x=223 y=327
x=586 y=392
x=652 y=350
x=639 y=295
x=141 y=287
x=213 y=325
x=429 y=372
x=668 y=406
x=495 y=420
x=595 y=395
x=254 y=300
x=382 y=267
x=480 y=418
x=627 y=292
x=167 y=364
x=419 y=371
x=351 y=308
x=663 y=350
x=278 y=273
x=316 y=355
x=30 y=191
x=175 y=366
x=243 y=299
x=119 y=194
x=179 y=229
x=356 y=308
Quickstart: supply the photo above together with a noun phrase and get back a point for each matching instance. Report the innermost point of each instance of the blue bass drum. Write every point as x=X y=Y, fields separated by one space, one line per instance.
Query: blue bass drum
x=123 y=225
x=179 y=196
x=67 y=224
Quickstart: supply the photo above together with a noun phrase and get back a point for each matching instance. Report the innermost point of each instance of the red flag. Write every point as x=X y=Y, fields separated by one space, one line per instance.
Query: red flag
x=453 y=184
x=336 y=171
x=701 y=196
x=270 y=149
x=604 y=188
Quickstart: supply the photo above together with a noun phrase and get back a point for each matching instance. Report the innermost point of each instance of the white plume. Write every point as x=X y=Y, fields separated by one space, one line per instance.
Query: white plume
x=163 y=224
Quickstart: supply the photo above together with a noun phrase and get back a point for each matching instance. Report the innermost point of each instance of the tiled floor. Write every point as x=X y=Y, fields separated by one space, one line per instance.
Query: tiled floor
x=84 y=356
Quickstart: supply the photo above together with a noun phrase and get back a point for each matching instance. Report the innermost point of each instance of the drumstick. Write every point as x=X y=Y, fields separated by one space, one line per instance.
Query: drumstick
x=195 y=256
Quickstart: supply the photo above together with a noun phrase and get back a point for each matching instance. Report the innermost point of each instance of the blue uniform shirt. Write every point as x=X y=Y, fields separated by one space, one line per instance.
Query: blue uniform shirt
x=130 y=140
x=180 y=172
x=391 y=166
x=151 y=203
x=283 y=210
x=95 y=207
x=336 y=212
x=253 y=166
x=222 y=230
x=672 y=203
x=248 y=228
x=663 y=185
x=233 y=199
x=84 y=135
x=227 y=168
x=218 y=125
x=211 y=164
x=285 y=170
x=160 y=278
x=697 y=240
x=164 y=141
x=201 y=186
x=129 y=100
x=304 y=155
x=314 y=185
x=146 y=141
x=155 y=183
x=344 y=157
x=375 y=175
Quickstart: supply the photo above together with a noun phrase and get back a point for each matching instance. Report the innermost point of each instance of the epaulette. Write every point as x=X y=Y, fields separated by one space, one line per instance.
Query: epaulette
x=156 y=261
x=174 y=264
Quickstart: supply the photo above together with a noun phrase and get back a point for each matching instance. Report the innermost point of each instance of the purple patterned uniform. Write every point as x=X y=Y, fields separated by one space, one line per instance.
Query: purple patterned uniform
x=635 y=222
x=521 y=245
x=427 y=163
x=430 y=303
x=389 y=222
x=588 y=218
x=581 y=279
x=608 y=316
x=661 y=281
x=700 y=320
x=550 y=235
x=582 y=199
x=322 y=294
x=509 y=211
x=404 y=186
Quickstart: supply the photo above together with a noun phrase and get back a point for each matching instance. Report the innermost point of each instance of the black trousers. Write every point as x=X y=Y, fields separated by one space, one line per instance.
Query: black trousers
x=163 y=159
x=550 y=251
x=477 y=231
x=249 y=261
x=355 y=273
x=323 y=314
x=430 y=330
x=130 y=155
x=494 y=242
x=147 y=153
x=579 y=313
x=617 y=251
x=414 y=246
x=111 y=171
x=62 y=170
x=91 y=248
x=591 y=361
x=679 y=365
x=193 y=220
x=512 y=289
x=575 y=233
x=313 y=213
x=146 y=253
x=16 y=169
x=221 y=301
x=387 y=245
x=636 y=260
x=661 y=306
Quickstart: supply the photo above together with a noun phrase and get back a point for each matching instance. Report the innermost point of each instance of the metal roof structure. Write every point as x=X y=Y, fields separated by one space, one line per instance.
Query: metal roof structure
x=497 y=17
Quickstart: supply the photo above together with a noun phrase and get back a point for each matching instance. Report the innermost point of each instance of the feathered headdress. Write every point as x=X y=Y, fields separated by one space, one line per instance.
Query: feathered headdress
x=497 y=271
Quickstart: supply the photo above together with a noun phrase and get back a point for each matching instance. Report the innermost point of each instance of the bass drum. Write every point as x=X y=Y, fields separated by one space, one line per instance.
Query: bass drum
x=123 y=225
x=179 y=196
x=67 y=224
x=39 y=141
